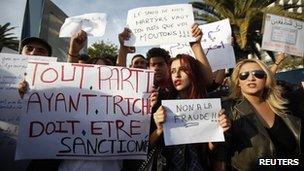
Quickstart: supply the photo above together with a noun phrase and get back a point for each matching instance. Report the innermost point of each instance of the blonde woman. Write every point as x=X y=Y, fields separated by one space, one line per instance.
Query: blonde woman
x=261 y=127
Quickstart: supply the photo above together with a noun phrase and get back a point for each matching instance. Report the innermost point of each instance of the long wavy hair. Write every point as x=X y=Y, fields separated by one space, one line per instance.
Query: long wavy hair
x=193 y=69
x=272 y=92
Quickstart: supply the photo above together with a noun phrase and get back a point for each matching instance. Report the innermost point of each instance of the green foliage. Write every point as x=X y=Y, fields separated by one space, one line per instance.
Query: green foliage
x=104 y=50
x=6 y=39
x=291 y=63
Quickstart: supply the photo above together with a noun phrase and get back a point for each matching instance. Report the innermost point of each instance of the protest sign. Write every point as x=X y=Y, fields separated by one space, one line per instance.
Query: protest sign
x=78 y=111
x=160 y=25
x=216 y=43
x=12 y=71
x=93 y=24
x=13 y=68
x=178 y=48
x=192 y=121
x=282 y=34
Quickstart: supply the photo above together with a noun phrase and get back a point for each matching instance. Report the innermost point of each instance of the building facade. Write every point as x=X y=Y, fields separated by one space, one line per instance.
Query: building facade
x=42 y=18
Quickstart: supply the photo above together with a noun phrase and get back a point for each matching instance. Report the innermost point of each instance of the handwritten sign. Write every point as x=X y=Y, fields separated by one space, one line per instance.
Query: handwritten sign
x=216 y=43
x=178 y=48
x=78 y=111
x=160 y=25
x=283 y=34
x=192 y=121
x=93 y=24
x=13 y=67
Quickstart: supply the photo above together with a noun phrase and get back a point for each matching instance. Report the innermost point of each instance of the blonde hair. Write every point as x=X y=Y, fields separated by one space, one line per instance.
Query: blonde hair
x=272 y=93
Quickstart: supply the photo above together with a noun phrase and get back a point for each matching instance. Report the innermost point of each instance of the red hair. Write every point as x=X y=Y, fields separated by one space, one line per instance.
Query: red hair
x=193 y=69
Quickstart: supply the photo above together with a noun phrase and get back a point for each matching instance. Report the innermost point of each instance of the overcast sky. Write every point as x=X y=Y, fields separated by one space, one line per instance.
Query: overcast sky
x=12 y=11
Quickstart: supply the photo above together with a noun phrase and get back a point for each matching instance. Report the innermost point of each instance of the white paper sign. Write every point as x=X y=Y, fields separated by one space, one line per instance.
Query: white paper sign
x=216 y=42
x=179 y=48
x=78 y=111
x=12 y=69
x=93 y=24
x=160 y=25
x=282 y=34
x=192 y=121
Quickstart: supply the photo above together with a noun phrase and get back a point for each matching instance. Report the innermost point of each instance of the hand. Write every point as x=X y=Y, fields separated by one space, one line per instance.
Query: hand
x=154 y=96
x=125 y=35
x=224 y=120
x=280 y=57
x=22 y=88
x=197 y=33
x=77 y=42
x=160 y=118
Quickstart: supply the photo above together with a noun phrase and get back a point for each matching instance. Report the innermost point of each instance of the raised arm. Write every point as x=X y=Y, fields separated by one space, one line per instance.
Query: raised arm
x=200 y=55
x=279 y=59
x=124 y=50
x=159 y=118
x=77 y=42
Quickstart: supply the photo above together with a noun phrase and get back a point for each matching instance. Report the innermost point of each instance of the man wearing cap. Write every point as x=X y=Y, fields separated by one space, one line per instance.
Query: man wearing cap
x=35 y=46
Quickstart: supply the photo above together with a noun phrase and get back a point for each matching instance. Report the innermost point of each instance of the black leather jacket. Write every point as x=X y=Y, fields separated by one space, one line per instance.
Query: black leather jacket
x=249 y=140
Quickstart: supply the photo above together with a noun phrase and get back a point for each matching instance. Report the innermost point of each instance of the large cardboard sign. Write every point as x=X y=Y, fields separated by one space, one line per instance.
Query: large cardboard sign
x=160 y=25
x=216 y=43
x=192 y=121
x=12 y=71
x=78 y=111
x=282 y=34
x=93 y=24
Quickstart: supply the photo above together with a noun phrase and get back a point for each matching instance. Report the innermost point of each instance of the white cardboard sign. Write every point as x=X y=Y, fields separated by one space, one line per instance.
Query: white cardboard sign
x=192 y=121
x=282 y=34
x=12 y=71
x=216 y=43
x=92 y=112
x=160 y=25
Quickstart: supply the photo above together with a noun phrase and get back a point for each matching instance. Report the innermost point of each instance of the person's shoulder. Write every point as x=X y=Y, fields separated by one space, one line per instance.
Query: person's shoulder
x=228 y=101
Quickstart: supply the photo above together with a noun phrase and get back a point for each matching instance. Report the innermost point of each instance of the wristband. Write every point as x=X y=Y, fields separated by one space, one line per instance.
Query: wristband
x=73 y=56
x=277 y=63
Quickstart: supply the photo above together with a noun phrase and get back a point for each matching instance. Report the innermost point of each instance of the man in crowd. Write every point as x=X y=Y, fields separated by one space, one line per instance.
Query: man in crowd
x=31 y=46
x=35 y=46
x=138 y=61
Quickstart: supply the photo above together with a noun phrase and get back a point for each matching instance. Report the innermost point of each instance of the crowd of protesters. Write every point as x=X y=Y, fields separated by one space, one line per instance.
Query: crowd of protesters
x=260 y=116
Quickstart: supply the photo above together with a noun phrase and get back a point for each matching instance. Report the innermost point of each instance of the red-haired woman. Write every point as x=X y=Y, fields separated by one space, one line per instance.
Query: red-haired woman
x=186 y=81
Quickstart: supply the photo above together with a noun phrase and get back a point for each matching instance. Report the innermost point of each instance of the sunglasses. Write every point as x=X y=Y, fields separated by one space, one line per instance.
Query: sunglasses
x=256 y=73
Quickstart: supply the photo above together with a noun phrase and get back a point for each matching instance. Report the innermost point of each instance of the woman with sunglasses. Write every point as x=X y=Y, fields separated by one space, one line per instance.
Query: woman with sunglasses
x=261 y=127
x=186 y=83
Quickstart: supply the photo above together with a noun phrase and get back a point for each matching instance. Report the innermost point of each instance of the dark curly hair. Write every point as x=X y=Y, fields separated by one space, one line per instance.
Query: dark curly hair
x=158 y=52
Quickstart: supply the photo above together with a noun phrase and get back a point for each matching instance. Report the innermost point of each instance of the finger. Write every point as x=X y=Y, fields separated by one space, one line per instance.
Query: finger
x=131 y=49
x=223 y=121
x=194 y=25
x=221 y=112
x=221 y=117
x=197 y=32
